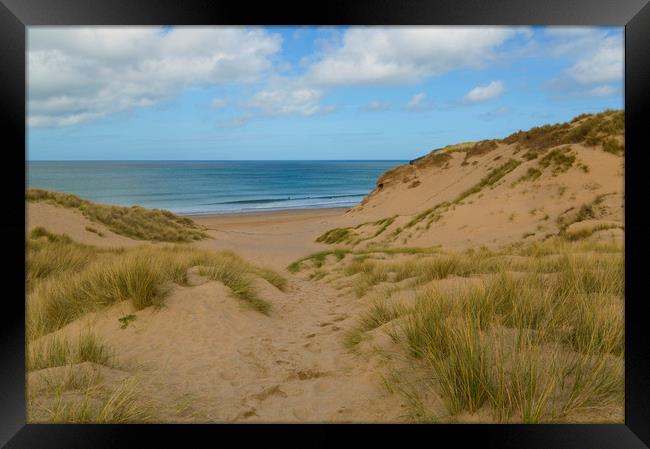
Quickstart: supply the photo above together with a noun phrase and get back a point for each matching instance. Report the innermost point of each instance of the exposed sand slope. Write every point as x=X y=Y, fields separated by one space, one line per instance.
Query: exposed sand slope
x=204 y=357
x=530 y=194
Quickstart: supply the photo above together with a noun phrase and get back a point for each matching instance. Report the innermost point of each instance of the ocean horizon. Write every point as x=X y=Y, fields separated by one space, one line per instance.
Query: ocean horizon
x=213 y=187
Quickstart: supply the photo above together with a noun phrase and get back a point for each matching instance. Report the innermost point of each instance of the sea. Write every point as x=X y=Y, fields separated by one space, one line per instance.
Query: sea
x=212 y=187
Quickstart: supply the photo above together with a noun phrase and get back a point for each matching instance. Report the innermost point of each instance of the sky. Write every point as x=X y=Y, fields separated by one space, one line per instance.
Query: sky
x=260 y=93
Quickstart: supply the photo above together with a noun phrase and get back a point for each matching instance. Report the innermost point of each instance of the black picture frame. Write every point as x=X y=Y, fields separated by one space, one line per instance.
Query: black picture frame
x=16 y=15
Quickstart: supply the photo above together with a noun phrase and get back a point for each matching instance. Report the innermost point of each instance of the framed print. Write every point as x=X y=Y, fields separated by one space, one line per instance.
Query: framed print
x=418 y=213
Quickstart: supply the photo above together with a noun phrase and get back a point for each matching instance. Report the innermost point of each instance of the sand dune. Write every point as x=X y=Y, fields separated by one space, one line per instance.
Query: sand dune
x=529 y=192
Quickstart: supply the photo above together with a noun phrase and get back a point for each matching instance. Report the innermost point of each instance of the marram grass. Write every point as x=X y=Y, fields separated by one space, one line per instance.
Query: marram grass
x=67 y=280
x=531 y=333
x=60 y=351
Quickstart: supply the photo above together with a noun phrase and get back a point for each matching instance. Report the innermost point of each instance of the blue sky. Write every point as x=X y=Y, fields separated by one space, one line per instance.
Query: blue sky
x=306 y=92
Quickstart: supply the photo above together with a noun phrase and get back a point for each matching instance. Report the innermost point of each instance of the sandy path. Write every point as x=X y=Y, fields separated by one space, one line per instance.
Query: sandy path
x=205 y=358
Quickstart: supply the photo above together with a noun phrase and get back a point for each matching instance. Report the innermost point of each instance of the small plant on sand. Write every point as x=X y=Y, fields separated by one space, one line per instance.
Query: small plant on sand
x=125 y=320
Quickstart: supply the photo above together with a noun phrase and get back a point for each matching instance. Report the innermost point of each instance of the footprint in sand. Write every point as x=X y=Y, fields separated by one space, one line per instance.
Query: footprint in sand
x=247 y=414
x=271 y=391
x=313 y=346
x=306 y=374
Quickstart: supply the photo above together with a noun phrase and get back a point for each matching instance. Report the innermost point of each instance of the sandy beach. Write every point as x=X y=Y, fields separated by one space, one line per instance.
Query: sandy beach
x=274 y=238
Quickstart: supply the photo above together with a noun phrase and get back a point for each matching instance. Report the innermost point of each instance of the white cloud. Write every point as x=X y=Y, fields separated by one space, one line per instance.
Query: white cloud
x=603 y=64
x=76 y=74
x=418 y=102
x=384 y=56
x=484 y=93
x=598 y=59
x=393 y=55
x=218 y=103
x=287 y=98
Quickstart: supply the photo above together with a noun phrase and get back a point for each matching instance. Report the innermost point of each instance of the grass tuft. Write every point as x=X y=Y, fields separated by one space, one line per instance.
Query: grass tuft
x=491 y=178
x=58 y=351
x=336 y=235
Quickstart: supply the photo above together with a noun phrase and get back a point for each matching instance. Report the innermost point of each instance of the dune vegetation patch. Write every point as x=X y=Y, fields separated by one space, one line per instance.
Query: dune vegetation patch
x=490 y=179
x=436 y=158
x=589 y=129
x=531 y=348
x=79 y=399
x=589 y=231
x=351 y=235
x=558 y=160
x=530 y=175
x=533 y=332
x=479 y=149
x=336 y=235
x=51 y=254
x=317 y=260
x=383 y=224
x=66 y=385
x=134 y=222
x=61 y=351
x=67 y=280
x=432 y=214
